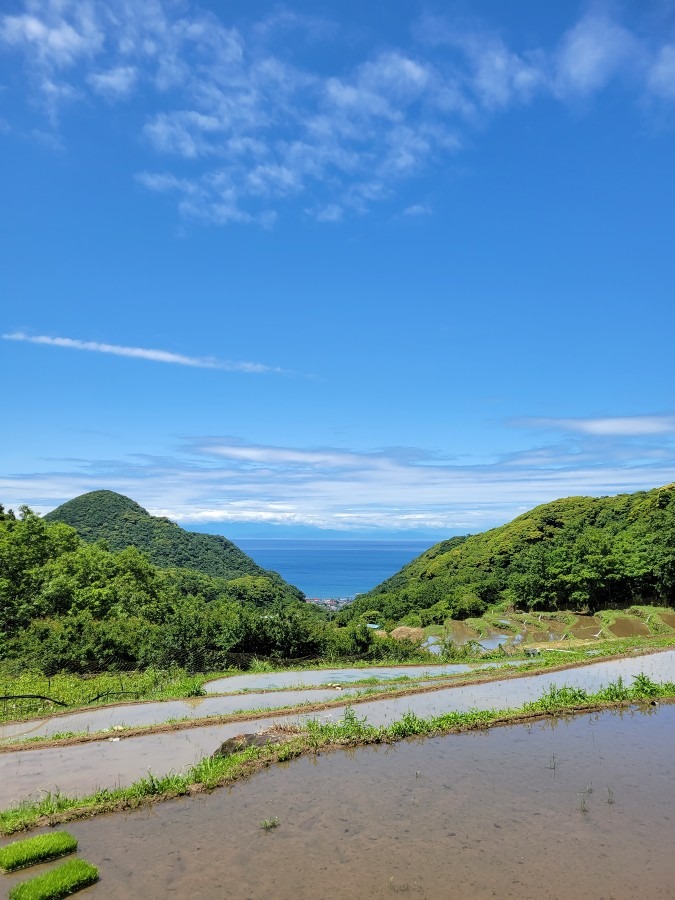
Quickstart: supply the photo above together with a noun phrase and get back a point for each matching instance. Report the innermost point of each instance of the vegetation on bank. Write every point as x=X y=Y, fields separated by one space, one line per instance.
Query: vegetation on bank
x=316 y=735
x=60 y=882
x=41 y=848
x=581 y=554
x=75 y=692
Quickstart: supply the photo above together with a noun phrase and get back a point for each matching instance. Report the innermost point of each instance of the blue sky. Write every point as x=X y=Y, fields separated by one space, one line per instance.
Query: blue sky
x=336 y=268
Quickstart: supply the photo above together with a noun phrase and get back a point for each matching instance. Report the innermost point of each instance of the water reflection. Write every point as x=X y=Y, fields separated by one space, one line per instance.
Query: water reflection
x=84 y=768
x=575 y=808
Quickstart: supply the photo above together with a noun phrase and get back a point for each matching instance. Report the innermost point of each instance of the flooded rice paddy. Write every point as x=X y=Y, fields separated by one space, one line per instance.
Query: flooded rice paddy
x=136 y=714
x=629 y=628
x=306 y=690
x=84 y=768
x=265 y=681
x=579 y=807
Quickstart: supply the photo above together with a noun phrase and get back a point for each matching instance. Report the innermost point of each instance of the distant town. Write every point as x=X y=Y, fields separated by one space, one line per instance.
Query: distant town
x=332 y=603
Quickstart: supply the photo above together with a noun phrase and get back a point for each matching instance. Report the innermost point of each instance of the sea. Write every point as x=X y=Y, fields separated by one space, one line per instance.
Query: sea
x=329 y=568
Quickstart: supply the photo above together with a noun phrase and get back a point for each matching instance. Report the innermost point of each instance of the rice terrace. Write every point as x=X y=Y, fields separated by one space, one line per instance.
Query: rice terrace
x=337 y=480
x=473 y=734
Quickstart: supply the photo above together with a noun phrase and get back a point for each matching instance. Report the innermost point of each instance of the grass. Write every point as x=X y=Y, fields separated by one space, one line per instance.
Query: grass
x=62 y=881
x=77 y=691
x=269 y=824
x=350 y=730
x=44 y=847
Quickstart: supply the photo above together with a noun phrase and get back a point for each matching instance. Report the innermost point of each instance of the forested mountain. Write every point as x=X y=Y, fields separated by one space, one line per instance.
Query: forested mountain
x=69 y=605
x=120 y=522
x=580 y=553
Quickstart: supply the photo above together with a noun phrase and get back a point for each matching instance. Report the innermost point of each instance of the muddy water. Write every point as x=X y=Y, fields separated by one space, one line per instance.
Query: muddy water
x=586 y=627
x=629 y=628
x=460 y=635
x=541 y=637
x=518 y=812
x=132 y=714
x=517 y=691
x=152 y=713
x=84 y=768
x=493 y=639
x=265 y=681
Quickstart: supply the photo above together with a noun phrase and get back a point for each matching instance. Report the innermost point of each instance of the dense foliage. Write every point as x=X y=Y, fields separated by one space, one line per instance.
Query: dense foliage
x=581 y=554
x=67 y=605
x=120 y=522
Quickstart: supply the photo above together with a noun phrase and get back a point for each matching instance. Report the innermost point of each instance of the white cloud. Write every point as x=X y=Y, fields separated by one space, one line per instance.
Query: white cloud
x=662 y=74
x=417 y=209
x=500 y=77
x=610 y=426
x=330 y=213
x=53 y=40
x=114 y=84
x=591 y=54
x=230 y=481
x=286 y=456
x=163 y=356
x=165 y=181
x=246 y=124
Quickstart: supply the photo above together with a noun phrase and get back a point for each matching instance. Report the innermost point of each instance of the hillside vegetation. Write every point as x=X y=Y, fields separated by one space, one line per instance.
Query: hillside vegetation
x=71 y=606
x=120 y=522
x=580 y=553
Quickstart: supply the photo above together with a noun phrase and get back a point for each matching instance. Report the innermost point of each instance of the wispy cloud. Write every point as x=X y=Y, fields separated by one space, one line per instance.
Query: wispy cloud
x=245 y=121
x=231 y=481
x=417 y=210
x=592 y=53
x=114 y=84
x=608 y=426
x=152 y=355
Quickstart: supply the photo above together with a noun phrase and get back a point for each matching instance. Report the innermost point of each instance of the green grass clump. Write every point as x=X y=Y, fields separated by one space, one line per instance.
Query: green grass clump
x=77 y=691
x=38 y=849
x=62 y=881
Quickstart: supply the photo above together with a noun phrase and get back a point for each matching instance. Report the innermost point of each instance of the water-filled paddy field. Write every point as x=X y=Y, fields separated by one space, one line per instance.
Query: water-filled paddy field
x=84 y=768
x=149 y=713
x=578 y=807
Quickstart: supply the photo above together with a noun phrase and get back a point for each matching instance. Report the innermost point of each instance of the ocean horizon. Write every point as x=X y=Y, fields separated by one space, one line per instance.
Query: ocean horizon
x=333 y=568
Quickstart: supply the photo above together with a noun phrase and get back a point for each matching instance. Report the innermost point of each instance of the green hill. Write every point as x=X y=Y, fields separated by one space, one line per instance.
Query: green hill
x=580 y=553
x=120 y=522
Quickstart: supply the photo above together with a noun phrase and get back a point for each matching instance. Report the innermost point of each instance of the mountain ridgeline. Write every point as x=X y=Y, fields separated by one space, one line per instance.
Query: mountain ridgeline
x=580 y=553
x=121 y=522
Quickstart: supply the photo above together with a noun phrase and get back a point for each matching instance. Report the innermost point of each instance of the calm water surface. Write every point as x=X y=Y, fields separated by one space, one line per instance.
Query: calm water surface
x=582 y=807
x=86 y=767
x=334 y=568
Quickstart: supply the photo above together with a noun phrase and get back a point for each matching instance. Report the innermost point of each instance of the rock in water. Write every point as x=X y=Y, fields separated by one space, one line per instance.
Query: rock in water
x=244 y=741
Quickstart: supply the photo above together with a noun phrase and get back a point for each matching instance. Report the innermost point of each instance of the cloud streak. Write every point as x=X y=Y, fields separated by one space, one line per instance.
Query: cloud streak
x=152 y=355
x=608 y=426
